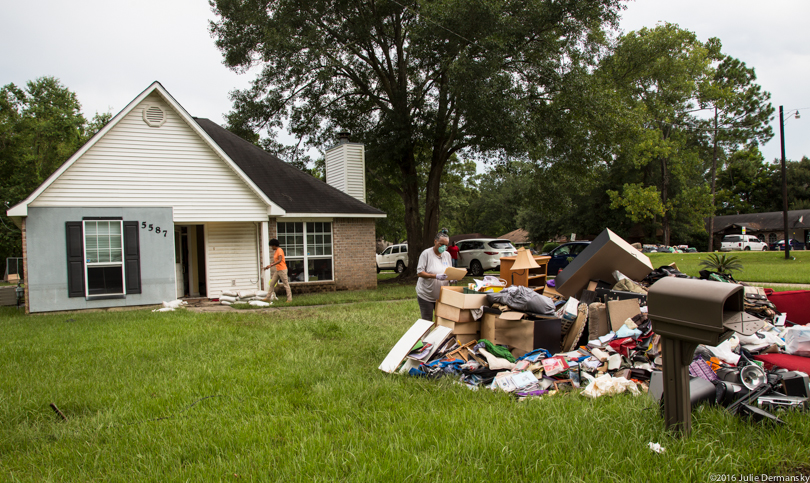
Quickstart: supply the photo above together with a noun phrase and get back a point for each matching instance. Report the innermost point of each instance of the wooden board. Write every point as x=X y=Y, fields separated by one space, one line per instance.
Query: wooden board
x=405 y=344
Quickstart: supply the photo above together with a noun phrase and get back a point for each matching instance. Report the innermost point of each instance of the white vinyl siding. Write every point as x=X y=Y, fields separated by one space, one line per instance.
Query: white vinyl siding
x=346 y=169
x=171 y=165
x=232 y=254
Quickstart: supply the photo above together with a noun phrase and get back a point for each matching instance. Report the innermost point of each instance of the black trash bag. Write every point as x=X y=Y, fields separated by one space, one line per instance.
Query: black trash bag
x=663 y=272
x=523 y=299
x=716 y=276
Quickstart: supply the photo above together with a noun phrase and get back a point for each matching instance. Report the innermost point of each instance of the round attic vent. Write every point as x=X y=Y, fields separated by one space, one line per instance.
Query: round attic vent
x=154 y=116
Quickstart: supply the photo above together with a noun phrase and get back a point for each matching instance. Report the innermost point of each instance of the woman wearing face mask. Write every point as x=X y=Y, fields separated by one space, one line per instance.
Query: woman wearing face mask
x=430 y=270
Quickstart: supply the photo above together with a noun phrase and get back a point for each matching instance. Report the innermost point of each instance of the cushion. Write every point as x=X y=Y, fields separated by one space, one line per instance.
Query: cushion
x=786 y=361
x=795 y=303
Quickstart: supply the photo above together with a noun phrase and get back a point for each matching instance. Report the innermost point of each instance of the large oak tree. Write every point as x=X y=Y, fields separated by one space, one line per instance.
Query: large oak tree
x=415 y=80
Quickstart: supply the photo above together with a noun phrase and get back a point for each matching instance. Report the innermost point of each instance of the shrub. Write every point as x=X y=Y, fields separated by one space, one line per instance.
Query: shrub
x=722 y=263
x=549 y=246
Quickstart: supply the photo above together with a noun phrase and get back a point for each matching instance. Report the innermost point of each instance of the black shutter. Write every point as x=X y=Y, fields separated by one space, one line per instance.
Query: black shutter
x=75 y=258
x=132 y=257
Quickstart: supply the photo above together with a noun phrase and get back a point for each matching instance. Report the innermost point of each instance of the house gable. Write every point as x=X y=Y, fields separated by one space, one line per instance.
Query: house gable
x=141 y=160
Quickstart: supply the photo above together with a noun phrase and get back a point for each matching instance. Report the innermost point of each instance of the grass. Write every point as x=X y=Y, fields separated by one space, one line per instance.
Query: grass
x=762 y=267
x=296 y=395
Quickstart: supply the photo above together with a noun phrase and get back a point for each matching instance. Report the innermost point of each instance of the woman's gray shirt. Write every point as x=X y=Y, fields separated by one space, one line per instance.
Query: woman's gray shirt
x=429 y=288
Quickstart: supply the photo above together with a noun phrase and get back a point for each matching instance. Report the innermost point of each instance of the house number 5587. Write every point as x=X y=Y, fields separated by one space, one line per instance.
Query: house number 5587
x=154 y=228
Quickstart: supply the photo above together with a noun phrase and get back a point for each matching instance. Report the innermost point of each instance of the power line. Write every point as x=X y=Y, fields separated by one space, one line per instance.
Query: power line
x=438 y=24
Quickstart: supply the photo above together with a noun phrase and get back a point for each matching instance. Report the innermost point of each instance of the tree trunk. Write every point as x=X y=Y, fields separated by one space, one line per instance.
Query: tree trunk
x=664 y=196
x=714 y=178
x=413 y=223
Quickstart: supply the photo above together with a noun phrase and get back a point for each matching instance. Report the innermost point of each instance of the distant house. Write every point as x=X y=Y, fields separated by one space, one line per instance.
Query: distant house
x=768 y=227
x=160 y=205
x=519 y=237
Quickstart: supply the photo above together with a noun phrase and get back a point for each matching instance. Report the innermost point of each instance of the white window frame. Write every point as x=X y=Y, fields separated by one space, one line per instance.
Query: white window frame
x=88 y=265
x=306 y=257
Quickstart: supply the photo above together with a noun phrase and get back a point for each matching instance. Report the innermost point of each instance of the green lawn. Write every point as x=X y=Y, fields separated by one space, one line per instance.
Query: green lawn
x=758 y=266
x=296 y=395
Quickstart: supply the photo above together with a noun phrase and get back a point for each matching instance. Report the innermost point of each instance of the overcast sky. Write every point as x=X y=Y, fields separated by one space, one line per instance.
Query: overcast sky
x=109 y=51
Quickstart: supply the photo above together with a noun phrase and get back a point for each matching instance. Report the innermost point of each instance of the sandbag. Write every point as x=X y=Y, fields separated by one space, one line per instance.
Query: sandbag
x=226 y=298
x=523 y=299
x=230 y=293
x=259 y=303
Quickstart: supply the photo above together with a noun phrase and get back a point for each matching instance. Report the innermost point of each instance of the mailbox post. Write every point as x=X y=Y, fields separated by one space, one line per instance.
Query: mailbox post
x=685 y=313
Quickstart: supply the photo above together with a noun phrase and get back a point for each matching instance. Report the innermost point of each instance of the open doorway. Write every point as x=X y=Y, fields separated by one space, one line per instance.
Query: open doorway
x=189 y=255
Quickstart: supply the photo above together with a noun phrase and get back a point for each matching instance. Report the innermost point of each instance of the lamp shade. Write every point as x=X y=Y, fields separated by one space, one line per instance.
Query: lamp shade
x=524 y=260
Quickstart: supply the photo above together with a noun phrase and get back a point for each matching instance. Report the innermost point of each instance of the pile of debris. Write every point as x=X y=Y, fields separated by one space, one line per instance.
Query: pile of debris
x=604 y=327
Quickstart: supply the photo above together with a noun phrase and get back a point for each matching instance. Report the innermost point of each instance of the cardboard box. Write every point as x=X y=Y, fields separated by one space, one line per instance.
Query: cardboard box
x=621 y=310
x=523 y=334
x=459 y=327
x=608 y=252
x=454 y=296
x=453 y=313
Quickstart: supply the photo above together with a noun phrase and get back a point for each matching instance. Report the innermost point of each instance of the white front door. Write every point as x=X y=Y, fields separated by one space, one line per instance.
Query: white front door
x=178 y=263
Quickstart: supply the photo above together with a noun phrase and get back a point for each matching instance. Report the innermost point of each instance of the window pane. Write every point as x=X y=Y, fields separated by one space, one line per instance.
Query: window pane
x=310 y=239
x=295 y=270
x=89 y=228
x=90 y=243
x=318 y=250
x=282 y=228
x=310 y=227
x=105 y=280
x=327 y=239
x=115 y=227
x=115 y=242
x=327 y=250
x=299 y=240
x=103 y=228
x=299 y=227
x=92 y=256
x=103 y=242
x=320 y=269
x=115 y=255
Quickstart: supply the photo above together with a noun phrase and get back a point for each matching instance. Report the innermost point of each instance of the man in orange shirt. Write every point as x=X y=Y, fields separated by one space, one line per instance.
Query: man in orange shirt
x=280 y=269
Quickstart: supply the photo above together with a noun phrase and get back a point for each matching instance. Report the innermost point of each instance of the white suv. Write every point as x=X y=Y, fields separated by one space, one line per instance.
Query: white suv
x=478 y=255
x=393 y=258
x=742 y=242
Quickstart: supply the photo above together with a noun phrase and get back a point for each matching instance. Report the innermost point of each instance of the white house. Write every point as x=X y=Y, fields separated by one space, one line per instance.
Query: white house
x=159 y=205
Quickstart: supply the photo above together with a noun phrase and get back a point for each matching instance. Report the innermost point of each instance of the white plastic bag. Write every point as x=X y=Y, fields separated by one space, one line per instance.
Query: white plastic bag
x=174 y=304
x=797 y=340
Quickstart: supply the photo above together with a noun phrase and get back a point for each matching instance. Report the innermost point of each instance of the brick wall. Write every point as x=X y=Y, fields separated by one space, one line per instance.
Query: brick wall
x=353 y=254
x=354 y=243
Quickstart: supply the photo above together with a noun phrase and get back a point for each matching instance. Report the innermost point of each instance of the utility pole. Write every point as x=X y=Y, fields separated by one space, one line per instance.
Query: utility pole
x=784 y=184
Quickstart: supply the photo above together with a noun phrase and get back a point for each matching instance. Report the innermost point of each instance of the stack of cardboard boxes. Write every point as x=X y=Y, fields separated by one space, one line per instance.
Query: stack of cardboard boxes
x=454 y=310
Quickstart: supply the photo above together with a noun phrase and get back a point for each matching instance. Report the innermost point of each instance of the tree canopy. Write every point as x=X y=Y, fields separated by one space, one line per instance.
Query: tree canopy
x=416 y=80
x=41 y=126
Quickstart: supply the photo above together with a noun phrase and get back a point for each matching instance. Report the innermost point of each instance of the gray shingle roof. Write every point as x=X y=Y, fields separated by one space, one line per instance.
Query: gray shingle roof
x=771 y=221
x=284 y=184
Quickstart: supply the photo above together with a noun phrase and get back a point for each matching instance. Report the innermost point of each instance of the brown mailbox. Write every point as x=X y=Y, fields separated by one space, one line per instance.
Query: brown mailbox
x=685 y=313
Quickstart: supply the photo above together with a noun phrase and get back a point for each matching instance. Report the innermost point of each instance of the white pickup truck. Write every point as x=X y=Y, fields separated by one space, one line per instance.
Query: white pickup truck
x=742 y=242
x=393 y=258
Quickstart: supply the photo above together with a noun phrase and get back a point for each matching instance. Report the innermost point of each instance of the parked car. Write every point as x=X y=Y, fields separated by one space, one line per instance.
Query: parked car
x=742 y=242
x=478 y=255
x=794 y=245
x=393 y=258
x=560 y=255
